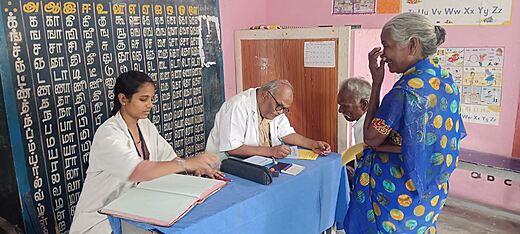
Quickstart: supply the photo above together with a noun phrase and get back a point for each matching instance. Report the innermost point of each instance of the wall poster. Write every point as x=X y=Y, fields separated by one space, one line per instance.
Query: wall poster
x=353 y=7
x=478 y=73
x=462 y=12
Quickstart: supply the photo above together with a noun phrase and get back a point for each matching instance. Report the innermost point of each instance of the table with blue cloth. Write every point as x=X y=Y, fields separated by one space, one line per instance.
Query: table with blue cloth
x=307 y=203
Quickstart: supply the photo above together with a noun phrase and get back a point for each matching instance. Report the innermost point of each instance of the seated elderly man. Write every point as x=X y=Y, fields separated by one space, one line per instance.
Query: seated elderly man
x=254 y=123
x=353 y=97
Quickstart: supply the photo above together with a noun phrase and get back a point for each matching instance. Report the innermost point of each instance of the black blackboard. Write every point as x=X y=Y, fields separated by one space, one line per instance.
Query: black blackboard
x=59 y=62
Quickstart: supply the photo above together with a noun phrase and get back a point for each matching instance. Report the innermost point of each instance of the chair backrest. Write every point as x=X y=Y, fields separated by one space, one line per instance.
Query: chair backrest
x=350 y=153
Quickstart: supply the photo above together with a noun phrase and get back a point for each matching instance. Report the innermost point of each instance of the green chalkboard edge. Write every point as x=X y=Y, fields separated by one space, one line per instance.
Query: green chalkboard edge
x=13 y=123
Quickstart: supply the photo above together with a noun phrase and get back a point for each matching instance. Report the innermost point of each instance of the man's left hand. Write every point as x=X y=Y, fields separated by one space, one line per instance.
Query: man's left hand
x=321 y=147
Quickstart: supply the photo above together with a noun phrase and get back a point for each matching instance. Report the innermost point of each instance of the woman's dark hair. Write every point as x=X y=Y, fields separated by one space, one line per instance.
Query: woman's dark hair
x=128 y=83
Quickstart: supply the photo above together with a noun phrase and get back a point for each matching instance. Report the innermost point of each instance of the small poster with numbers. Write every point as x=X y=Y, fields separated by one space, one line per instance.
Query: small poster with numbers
x=478 y=73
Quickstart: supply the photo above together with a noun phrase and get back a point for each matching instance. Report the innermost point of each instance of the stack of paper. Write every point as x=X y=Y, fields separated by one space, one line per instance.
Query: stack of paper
x=302 y=154
x=294 y=169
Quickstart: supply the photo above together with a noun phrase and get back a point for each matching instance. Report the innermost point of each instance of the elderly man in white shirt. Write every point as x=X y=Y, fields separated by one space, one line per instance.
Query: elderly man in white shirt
x=254 y=123
x=353 y=97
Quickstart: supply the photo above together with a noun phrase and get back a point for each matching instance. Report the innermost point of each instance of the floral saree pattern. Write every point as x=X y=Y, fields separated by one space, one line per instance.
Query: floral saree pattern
x=404 y=193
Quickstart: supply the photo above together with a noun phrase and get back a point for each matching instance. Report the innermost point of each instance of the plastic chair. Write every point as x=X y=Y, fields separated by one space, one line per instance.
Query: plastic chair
x=350 y=154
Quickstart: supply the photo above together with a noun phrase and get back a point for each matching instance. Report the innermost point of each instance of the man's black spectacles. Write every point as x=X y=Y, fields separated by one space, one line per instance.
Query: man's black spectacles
x=279 y=107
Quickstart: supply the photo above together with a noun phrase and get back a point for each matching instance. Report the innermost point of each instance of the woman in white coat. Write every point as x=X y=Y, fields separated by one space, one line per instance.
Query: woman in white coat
x=127 y=149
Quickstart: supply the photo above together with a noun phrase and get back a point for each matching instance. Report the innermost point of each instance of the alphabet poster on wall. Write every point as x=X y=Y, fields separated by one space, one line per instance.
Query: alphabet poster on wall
x=59 y=64
x=462 y=12
x=478 y=73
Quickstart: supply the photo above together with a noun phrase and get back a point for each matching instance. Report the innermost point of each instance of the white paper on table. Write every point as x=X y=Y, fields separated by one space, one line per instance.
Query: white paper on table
x=294 y=152
x=259 y=160
x=294 y=169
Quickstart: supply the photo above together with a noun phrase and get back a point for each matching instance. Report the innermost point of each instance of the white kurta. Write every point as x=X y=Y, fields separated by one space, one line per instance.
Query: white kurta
x=358 y=129
x=236 y=124
x=113 y=158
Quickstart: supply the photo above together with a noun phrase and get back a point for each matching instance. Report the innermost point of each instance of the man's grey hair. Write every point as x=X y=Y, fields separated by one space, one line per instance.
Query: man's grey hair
x=357 y=87
x=273 y=85
x=409 y=25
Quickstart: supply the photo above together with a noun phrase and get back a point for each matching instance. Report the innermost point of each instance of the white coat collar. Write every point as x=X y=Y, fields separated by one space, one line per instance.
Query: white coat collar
x=253 y=102
x=122 y=124
x=253 y=105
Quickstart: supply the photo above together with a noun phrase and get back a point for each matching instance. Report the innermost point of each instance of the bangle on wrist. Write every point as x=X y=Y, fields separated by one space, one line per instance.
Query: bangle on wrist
x=182 y=164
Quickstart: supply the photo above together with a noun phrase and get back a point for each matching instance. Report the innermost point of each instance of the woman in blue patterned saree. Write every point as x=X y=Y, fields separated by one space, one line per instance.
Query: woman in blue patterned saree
x=401 y=181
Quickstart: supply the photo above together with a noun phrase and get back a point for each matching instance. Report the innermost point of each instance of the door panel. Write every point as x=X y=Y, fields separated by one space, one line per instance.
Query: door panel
x=313 y=113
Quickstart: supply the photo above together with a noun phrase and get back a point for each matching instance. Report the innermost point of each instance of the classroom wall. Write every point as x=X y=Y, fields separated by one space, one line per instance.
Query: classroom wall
x=486 y=188
x=236 y=15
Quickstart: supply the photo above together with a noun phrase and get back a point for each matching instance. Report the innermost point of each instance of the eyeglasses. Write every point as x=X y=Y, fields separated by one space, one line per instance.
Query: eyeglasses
x=279 y=107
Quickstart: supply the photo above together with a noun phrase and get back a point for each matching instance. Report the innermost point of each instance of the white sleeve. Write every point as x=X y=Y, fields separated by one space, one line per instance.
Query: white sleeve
x=232 y=127
x=284 y=127
x=165 y=151
x=112 y=151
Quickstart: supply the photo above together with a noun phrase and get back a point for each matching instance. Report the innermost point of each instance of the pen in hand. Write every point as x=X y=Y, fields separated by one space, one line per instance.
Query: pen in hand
x=274 y=160
x=223 y=178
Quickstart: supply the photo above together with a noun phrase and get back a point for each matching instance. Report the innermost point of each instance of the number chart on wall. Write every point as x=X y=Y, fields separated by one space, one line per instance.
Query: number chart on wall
x=59 y=64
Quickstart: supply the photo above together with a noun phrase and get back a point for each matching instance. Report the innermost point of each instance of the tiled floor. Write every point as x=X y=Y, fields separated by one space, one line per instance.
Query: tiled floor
x=463 y=217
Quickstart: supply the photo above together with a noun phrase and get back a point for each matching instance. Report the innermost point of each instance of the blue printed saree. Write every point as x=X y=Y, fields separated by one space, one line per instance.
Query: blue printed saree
x=404 y=193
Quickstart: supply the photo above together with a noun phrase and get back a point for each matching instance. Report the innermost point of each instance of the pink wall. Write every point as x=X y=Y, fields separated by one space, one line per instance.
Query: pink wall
x=316 y=12
x=486 y=188
x=236 y=15
x=242 y=14
x=362 y=41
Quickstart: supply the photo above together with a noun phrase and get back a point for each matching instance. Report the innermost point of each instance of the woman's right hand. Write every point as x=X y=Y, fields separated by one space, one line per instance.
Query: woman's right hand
x=377 y=70
x=205 y=163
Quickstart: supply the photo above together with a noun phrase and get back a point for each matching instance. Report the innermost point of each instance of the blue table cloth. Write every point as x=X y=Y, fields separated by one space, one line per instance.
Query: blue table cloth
x=307 y=203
